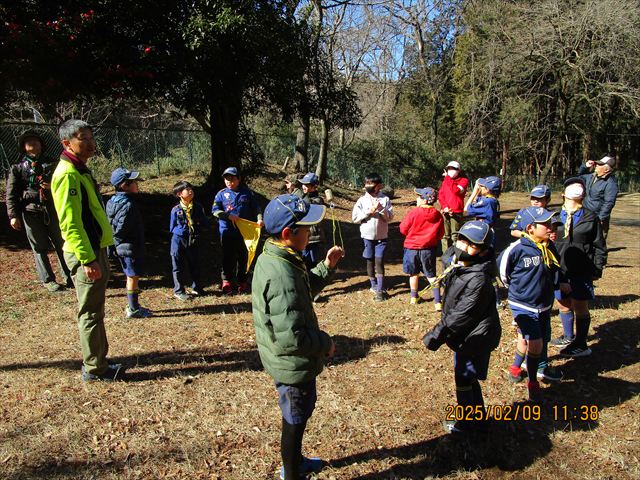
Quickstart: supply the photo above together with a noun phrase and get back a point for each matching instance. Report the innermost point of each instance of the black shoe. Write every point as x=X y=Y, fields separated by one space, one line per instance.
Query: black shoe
x=381 y=296
x=561 y=342
x=575 y=351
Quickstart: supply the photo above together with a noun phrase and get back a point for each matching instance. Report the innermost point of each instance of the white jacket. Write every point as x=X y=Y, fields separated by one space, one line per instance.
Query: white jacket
x=373 y=226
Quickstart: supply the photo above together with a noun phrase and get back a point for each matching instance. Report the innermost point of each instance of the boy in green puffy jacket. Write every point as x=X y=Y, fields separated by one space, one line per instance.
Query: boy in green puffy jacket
x=291 y=345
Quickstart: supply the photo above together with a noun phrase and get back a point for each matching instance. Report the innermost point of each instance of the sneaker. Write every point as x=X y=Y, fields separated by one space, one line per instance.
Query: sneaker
x=516 y=374
x=373 y=290
x=575 y=351
x=308 y=465
x=198 y=292
x=550 y=374
x=243 y=288
x=456 y=426
x=111 y=375
x=183 y=297
x=227 y=288
x=381 y=296
x=535 y=393
x=437 y=306
x=141 y=312
x=414 y=301
x=561 y=342
x=53 y=287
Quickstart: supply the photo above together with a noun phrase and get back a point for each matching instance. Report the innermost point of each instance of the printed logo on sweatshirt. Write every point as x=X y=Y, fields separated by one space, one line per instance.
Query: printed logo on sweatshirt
x=535 y=261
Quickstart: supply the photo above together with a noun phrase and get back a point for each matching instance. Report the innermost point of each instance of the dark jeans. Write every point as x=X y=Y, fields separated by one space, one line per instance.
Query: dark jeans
x=43 y=232
x=185 y=264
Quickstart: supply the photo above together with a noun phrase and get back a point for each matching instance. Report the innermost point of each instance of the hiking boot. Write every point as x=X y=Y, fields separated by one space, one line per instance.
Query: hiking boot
x=244 y=288
x=550 y=374
x=141 y=312
x=516 y=374
x=414 y=301
x=307 y=466
x=381 y=296
x=183 y=297
x=575 y=351
x=227 y=288
x=111 y=375
x=561 y=342
x=535 y=393
x=53 y=287
x=437 y=306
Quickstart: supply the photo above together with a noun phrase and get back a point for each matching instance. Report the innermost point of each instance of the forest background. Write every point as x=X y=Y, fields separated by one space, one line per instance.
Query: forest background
x=525 y=89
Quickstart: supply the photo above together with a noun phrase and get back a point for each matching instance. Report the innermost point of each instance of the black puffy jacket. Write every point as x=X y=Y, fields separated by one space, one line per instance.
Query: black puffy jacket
x=583 y=253
x=470 y=322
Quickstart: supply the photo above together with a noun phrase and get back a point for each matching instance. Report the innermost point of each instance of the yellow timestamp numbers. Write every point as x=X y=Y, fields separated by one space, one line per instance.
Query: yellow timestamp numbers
x=583 y=413
x=525 y=412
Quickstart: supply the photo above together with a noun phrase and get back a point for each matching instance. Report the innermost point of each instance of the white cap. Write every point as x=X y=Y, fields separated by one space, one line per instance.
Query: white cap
x=453 y=164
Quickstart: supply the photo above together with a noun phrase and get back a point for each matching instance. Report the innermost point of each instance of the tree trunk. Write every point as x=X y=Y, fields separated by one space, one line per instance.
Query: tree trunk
x=302 y=144
x=321 y=169
x=505 y=160
x=225 y=151
x=555 y=152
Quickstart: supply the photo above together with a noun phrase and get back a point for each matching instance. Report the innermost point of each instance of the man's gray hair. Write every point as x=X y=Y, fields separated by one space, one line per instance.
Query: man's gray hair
x=70 y=128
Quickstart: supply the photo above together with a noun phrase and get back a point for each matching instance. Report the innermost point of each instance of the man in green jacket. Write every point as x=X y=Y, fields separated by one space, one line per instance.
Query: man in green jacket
x=86 y=233
x=291 y=345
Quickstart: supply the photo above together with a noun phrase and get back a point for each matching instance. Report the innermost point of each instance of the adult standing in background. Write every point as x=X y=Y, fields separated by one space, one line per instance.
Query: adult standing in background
x=601 y=188
x=86 y=232
x=451 y=197
x=29 y=205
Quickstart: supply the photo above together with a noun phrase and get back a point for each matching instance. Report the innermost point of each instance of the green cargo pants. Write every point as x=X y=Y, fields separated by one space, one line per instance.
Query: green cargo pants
x=452 y=223
x=91 y=299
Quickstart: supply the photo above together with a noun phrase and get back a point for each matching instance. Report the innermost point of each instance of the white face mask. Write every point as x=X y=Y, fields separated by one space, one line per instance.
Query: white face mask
x=452 y=173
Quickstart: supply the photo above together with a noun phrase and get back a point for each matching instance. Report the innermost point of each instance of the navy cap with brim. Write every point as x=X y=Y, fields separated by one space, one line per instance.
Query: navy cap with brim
x=291 y=211
x=120 y=175
x=536 y=215
x=424 y=193
x=476 y=232
x=310 y=179
x=230 y=171
x=540 y=191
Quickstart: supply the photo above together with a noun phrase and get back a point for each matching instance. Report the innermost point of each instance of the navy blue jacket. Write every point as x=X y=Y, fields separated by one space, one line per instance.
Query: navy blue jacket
x=601 y=193
x=485 y=208
x=530 y=282
x=470 y=324
x=583 y=254
x=178 y=222
x=242 y=203
x=126 y=224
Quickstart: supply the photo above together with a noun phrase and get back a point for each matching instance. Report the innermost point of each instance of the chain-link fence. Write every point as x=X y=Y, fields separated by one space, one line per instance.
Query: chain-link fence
x=152 y=151
x=155 y=152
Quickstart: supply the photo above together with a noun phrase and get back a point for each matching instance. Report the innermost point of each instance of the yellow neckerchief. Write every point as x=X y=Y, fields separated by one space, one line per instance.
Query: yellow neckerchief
x=489 y=195
x=291 y=251
x=569 y=222
x=547 y=255
x=187 y=212
x=426 y=206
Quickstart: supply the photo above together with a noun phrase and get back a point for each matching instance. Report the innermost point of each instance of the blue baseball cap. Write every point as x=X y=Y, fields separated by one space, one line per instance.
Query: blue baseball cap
x=572 y=180
x=493 y=184
x=310 y=178
x=426 y=193
x=536 y=215
x=120 y=175
x=477 y=232
x=231 y=171
x=540 y=191
x=290 y=210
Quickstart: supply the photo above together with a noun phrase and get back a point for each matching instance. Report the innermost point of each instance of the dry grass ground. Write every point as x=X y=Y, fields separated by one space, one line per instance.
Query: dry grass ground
x=196 y=403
